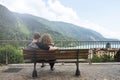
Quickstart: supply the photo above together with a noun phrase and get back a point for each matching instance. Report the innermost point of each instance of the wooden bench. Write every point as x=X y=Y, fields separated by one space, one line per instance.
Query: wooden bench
x=62 y=55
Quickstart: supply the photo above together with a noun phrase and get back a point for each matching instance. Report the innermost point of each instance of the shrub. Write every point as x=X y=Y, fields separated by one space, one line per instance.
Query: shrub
x=104 y=58
x=11 y=54
x=96 y=59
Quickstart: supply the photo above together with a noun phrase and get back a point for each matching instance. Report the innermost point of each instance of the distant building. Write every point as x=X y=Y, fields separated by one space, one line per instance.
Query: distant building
x=107 y=51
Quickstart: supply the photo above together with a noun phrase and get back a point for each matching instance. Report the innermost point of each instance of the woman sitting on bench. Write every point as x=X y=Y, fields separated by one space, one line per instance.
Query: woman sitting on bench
x=47 y=40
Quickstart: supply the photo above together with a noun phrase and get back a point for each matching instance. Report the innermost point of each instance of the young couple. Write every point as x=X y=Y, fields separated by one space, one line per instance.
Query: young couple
x=43 y=42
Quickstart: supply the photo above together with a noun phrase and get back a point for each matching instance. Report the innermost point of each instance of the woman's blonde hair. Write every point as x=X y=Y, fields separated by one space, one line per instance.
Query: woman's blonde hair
x=46 y=39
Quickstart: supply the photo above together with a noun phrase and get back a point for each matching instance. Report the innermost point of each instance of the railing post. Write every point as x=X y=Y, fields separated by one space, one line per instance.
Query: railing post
x=6 y=57
x=90 y=55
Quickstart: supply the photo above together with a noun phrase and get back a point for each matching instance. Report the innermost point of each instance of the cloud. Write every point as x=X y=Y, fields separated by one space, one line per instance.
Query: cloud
x=67 y=14
x=35 y=7
x=63 y=13
x=52 y=10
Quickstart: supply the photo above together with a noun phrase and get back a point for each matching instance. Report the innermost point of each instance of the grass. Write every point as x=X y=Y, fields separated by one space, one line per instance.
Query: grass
x=1 y=64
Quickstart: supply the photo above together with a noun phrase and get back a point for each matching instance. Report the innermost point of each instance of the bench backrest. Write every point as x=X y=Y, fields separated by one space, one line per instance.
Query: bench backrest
x=58 y=54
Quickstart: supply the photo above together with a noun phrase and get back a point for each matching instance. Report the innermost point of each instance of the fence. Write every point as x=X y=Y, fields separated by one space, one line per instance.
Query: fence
x=87 y=44
x=68 y=44
x=19 y=44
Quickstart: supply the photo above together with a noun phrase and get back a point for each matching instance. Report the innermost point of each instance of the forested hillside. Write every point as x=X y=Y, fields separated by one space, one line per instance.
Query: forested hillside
x=15 y=26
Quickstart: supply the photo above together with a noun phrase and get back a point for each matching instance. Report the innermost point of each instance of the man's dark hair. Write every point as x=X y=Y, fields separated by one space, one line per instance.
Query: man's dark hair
x=36 y=35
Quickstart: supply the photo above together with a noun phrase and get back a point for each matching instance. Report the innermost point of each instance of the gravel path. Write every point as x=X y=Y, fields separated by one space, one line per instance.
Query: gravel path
x=101 y=71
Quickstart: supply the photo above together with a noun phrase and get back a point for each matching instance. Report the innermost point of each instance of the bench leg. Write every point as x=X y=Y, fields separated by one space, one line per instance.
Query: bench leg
x=77 y=69
x=34 y=74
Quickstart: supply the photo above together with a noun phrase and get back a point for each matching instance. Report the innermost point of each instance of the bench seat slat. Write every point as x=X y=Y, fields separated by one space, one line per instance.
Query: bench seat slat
x=57 y=61
x=59 y=54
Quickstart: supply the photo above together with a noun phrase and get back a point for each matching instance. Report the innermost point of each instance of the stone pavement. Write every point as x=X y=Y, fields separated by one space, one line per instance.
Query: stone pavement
x=97 y=71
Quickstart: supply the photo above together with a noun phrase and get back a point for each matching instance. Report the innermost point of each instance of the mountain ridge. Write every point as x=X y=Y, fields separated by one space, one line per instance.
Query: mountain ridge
x=22 y=26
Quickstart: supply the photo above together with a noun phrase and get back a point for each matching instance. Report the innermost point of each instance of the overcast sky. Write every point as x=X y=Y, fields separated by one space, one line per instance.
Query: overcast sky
x=102 y=16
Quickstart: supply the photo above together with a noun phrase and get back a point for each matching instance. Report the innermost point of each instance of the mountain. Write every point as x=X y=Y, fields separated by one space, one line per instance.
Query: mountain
x=34 y=25
x=9 y=28
x=76 y=32
x=15 y=26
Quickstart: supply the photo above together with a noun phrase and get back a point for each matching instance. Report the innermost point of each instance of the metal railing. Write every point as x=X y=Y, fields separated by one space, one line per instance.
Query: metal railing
x=87 y=44
x=19 y=44
x=67 y=44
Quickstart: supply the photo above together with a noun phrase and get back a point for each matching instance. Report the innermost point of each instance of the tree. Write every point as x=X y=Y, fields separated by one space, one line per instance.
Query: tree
x=108 y=45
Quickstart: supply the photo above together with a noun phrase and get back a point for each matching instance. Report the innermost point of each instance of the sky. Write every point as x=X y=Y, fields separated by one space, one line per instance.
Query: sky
x=102 y=16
